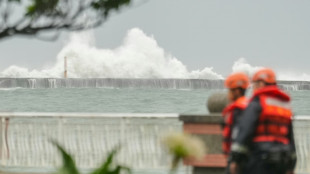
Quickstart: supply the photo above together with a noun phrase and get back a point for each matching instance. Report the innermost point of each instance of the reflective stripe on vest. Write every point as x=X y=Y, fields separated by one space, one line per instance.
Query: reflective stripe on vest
x=275 y=102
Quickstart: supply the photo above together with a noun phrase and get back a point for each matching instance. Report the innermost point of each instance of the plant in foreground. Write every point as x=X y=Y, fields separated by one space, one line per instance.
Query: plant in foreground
x=181 y=145
x=108 y=167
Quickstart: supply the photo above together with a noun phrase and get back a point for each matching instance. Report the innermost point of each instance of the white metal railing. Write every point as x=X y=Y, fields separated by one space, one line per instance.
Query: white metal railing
x=24 y=139
x=302 y=140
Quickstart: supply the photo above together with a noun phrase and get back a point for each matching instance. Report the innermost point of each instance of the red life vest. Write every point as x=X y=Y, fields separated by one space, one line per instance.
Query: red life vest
x=276 y=116
x=228 y=115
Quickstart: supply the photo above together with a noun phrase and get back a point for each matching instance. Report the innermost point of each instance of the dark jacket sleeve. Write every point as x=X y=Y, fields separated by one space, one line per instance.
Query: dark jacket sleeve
x=293 y=148
x=237 y=115
x=248 y=123
x=245 y=130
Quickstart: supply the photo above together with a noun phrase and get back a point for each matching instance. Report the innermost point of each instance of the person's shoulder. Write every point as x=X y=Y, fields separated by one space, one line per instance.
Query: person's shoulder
x=255 y=99
x=237 y=112
x=255 y=103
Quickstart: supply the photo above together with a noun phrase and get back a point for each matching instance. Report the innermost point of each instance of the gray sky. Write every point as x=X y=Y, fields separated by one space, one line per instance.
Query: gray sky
x=200 y=33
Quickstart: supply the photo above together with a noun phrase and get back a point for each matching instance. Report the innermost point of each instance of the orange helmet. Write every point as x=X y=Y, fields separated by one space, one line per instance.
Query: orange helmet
x=237 y=80
x=266 y=75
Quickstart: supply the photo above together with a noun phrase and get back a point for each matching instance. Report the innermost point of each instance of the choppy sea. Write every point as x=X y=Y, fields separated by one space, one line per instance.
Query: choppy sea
x=121 y=100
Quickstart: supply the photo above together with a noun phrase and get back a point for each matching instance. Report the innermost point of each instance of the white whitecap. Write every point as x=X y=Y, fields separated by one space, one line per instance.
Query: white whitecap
x=139 y=56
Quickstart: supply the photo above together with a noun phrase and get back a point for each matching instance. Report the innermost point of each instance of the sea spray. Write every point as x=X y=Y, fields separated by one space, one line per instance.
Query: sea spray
x=241 y=65
x=139 y=56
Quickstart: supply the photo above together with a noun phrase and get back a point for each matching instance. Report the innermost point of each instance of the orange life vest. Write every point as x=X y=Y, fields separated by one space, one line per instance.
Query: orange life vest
x=276 y=116
x=228 y=115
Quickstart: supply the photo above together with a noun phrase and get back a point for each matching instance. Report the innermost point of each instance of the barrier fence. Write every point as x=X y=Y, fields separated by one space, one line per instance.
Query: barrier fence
x=25 y=140
x=302 y=140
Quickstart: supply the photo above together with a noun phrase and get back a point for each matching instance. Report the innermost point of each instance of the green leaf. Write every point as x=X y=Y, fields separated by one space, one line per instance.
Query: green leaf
x=31 y=10
x=106 y=6
x=104 y=169
x=68 y=166
x=108 y=166
x=119 y=168
x=42 y=7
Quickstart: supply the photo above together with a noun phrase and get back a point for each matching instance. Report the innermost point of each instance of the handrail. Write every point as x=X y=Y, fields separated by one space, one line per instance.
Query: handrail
x=104 y=115
x=87 y=115
x=301 y=117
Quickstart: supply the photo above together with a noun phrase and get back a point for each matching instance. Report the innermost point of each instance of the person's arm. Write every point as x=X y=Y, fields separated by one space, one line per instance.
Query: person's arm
x=243 y=134
x=237 y=113
x=292 y=164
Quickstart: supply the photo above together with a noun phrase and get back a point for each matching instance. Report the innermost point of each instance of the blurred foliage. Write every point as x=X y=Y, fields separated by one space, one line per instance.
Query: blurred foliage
x=181 y=146
x=105 y=6
x=43 y=15
x=50 y=7
x=40 y=7
x=108 y=167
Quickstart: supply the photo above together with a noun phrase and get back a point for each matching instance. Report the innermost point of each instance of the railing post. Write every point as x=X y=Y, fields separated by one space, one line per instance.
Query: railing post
x=60 y=131
x=1 y=142
x=122 y=137
x=4 y=154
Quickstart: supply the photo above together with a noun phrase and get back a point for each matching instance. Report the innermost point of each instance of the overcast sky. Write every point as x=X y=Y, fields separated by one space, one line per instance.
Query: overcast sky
x=200 y=33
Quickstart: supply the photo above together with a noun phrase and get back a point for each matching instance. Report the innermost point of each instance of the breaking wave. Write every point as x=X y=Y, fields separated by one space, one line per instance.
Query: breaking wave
x=139 y=56
x=241 y=65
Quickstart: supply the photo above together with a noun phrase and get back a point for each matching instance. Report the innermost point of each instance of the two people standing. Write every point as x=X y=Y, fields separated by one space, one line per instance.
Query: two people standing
x=258 y=134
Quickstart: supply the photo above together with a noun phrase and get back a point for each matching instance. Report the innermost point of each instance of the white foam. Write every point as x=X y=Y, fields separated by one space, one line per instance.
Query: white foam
x=10 y=89
x=241 y=65
x=139 y=56
x=290 y=76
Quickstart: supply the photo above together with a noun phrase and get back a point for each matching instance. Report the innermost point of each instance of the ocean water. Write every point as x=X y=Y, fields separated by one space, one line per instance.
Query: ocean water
x=115 y=100
x=122 y=100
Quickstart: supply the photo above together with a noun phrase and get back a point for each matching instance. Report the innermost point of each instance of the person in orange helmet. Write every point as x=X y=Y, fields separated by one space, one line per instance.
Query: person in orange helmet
x=265 y=135
x=237 y=85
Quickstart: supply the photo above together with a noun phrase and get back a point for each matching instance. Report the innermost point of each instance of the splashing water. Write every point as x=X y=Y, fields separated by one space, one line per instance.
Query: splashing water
x=241 y=65
x=139 y=56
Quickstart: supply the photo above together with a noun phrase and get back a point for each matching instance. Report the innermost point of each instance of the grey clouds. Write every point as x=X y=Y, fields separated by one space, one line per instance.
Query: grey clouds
x=200 y=33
